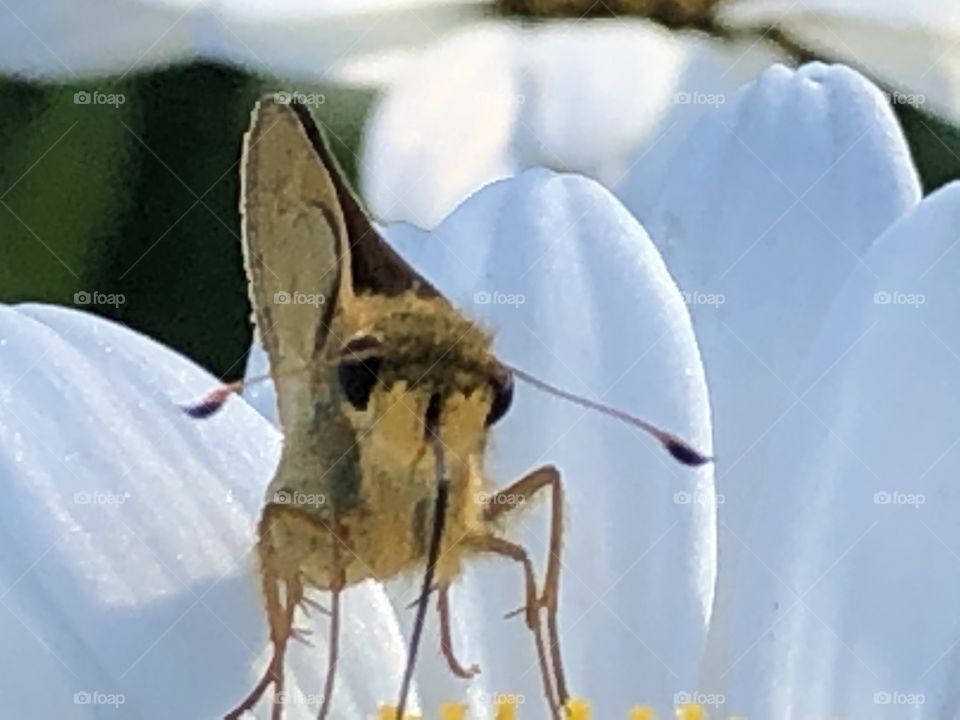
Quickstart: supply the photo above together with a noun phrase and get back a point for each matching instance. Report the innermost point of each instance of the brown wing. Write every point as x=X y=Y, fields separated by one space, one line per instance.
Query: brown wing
x=375 y=267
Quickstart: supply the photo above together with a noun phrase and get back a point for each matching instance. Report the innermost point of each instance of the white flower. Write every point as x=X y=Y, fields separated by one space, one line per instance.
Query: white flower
x=912 y=48
x=594 y=98
x=289 y=38
x=607 y=98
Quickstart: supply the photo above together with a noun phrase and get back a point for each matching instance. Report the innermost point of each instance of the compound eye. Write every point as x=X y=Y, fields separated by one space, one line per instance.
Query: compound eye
x=502 y=397
x=357 y=380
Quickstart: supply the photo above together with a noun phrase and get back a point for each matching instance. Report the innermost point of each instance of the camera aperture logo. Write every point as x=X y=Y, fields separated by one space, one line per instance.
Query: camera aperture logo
x=95 y=97
x=95 y=298
x=299 y=298
x=499 y=298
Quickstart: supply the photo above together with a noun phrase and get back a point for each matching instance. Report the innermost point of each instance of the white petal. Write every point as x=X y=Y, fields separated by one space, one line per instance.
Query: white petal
x=66 y=38
x=600 y=98
x=497 y=98
x=592 y=310
x=913 y=47
x=712 y=75
x=128 y=532
x=847 y=603
x=324 y=41
x=594 y=92
x=769 y=206
x=443 y=130
x=761 y=231
x=291 y=38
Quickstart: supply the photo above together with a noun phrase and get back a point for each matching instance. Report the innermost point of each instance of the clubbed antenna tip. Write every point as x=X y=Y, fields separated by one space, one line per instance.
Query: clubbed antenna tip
x=213 y=401
x=686 y=454
x=680 y=450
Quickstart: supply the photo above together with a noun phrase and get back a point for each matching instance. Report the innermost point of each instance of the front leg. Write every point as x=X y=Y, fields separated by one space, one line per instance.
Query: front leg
x=446 y=637
x=490 y=543
x=279 y=616
x=512 y=497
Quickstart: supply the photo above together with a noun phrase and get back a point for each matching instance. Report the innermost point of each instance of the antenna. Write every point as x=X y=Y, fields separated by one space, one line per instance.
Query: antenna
x=681 y=450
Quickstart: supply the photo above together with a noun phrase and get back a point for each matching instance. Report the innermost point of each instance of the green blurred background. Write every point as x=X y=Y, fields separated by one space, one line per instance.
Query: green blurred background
x=142 y=198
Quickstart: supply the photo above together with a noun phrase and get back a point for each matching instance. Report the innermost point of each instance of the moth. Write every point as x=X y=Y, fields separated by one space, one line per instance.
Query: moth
x=386 y=394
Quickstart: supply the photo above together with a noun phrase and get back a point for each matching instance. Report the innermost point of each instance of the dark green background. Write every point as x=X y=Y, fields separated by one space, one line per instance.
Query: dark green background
x=141 y=199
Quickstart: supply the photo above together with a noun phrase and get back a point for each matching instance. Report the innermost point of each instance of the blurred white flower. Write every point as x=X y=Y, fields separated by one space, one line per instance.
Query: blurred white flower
x=911 y=47
x=590 y=97
x=290 y=38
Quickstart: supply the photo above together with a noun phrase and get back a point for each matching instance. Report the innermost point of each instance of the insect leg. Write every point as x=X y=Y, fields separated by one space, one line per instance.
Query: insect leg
x=280 y=618
x=446 y=638
x=514 y=496
x=337 y=584
x=490 y=543
x=333 y=651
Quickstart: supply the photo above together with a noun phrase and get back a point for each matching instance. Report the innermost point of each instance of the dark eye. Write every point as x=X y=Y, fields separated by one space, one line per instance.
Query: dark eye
x=502 y=397
x=357 y=379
